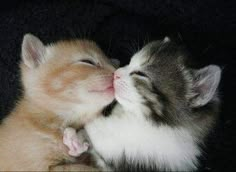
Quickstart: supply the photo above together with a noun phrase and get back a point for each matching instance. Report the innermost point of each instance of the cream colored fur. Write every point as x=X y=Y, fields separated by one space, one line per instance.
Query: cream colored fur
x=61 y=89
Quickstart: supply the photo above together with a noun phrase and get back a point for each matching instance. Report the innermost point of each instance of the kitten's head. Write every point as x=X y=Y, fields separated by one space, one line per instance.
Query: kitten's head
x=66 y=77
x=158 y=84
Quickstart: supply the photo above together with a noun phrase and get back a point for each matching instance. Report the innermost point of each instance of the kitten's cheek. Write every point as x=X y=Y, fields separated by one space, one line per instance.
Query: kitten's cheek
x=122 y=93
x=117 y=90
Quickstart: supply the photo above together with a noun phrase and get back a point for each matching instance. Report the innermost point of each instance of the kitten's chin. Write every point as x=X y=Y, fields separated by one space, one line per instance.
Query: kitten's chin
x=124 y=101
x=107 y=94
x=102 y=97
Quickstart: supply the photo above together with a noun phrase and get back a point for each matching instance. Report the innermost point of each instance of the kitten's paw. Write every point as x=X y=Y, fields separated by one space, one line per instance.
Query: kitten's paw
x=76 y=145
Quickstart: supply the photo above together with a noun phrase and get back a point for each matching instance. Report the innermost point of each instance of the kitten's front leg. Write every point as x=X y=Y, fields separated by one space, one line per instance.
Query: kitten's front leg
x=75 y=142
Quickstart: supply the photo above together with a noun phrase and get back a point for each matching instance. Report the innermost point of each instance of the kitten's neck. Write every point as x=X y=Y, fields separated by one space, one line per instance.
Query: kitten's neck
x=82 y=114
x=31 y=118
x=61 y=114
x=139 y=111
x=31 y=112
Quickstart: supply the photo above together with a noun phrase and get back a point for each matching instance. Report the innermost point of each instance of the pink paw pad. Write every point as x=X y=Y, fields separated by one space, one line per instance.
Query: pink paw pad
x=76 y=145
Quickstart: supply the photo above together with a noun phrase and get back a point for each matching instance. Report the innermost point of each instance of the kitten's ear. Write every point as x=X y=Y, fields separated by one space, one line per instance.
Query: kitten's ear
x=115 y=62
x=205 y=83
x=33 y=51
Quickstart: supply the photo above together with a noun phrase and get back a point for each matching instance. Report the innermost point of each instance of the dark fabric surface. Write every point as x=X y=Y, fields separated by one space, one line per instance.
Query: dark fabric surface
x=208 y=28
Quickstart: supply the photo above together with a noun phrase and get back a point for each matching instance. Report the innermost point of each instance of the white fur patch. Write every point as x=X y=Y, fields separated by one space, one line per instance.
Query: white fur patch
x=125 y=90
x=137 y=60
x=162 y=146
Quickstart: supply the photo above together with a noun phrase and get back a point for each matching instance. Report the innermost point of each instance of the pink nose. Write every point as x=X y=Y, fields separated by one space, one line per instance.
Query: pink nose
x=116 y=76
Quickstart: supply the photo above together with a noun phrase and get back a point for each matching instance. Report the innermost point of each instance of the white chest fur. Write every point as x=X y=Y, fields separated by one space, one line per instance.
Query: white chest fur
x=142 y=142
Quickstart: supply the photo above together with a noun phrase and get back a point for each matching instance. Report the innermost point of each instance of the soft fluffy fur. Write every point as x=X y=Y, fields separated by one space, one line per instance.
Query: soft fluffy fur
x=163 y=114
x=65 y=84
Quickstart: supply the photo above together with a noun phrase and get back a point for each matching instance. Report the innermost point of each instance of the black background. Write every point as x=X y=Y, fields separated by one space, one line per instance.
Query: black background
x=121 y=27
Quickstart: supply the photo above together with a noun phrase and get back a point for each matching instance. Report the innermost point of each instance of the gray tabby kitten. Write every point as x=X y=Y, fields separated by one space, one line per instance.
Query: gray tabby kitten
x=164 y=111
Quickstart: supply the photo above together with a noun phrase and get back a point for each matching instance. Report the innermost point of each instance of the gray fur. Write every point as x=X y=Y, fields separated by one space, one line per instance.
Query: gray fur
x=179 y=100
x=172 y=95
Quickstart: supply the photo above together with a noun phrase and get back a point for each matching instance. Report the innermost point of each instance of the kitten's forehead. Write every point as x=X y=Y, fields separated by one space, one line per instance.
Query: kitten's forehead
x=159 y=53
x=143 y=57
x=138 y=59
x=163 y=63
x=76 y=49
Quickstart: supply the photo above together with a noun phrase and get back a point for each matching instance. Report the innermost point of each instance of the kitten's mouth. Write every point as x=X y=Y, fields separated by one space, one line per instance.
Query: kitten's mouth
x=108 y=89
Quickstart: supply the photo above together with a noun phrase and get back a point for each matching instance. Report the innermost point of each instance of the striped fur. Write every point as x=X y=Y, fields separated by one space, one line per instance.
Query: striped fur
x=154 y=126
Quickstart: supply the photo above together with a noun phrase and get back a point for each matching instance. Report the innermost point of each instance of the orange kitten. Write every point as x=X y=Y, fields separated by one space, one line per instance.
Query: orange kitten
x=65 y=84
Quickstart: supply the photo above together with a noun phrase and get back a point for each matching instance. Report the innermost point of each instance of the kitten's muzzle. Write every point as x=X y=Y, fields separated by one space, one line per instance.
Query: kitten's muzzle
x=116 y=76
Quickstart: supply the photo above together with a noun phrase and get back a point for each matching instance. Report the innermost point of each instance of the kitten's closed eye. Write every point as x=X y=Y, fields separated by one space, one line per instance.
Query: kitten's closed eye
x=88 y=61
x=139 y=73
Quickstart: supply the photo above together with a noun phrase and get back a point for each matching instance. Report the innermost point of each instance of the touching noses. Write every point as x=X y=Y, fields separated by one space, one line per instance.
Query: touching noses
x=116 y=76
